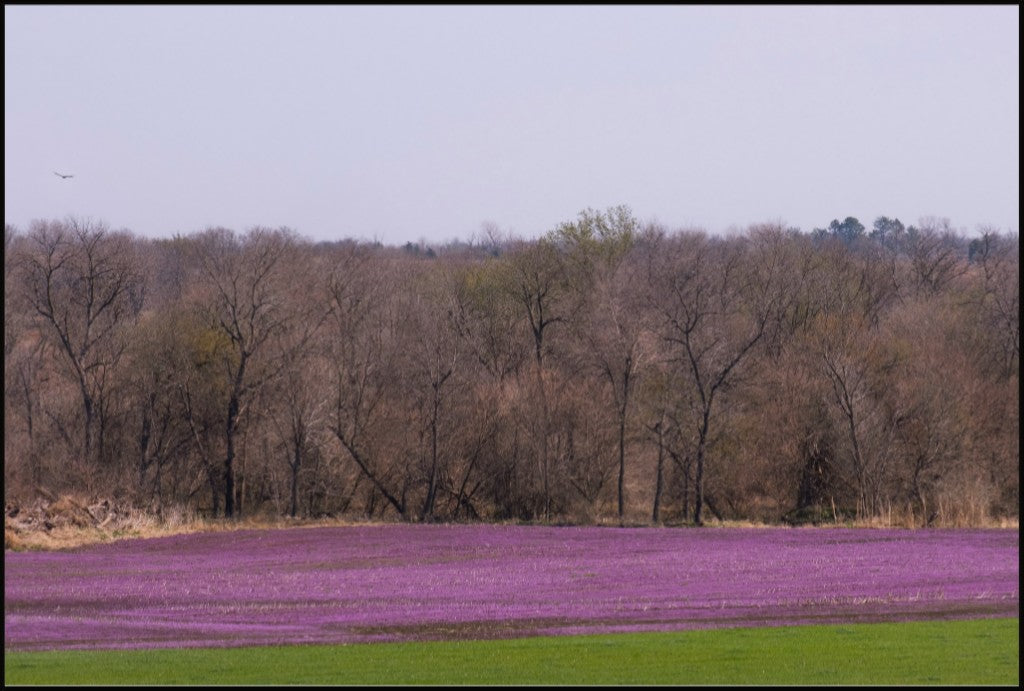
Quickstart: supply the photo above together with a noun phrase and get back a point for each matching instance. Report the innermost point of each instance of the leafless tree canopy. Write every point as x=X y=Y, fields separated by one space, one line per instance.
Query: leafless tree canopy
x=608 y=371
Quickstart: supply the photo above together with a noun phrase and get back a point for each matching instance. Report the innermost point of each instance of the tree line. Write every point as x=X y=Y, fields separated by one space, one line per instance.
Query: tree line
x=609 y=370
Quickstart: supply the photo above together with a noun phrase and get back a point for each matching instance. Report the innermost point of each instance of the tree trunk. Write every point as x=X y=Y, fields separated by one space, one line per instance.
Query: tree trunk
x=622 y=465
x=698 y=480
x=658 y=479
x=87 y=408
x=230 y=431
x=229 y=459
x=428 y=503
x=544 y=432
x=296 y=463
x=698 y=488
x=399 y=504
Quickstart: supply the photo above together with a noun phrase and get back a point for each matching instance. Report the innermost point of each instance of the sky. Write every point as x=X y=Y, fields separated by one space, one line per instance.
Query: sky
x=429 y=123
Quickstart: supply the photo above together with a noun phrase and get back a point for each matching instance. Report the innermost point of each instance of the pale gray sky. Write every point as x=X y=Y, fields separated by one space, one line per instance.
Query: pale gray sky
x=402 y=123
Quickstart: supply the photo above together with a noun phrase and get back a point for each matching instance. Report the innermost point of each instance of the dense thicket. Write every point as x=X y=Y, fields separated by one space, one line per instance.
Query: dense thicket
x=607 y=371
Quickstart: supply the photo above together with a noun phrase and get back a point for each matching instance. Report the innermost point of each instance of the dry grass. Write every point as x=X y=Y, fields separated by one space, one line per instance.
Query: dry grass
x=69 y=522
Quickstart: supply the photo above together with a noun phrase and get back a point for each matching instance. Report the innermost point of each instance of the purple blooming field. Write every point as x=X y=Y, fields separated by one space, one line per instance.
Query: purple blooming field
x=416 y=582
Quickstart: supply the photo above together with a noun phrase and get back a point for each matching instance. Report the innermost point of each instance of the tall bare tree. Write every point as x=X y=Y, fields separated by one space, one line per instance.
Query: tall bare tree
x=536 y=279
x=597 y=247
x=300 y=397
x=245 y=278
x=433 y=365
x=365 y=335
x=716 y=301
x=84 y=286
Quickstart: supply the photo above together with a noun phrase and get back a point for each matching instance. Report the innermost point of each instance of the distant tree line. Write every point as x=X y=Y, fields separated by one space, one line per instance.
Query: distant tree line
x=608 y=371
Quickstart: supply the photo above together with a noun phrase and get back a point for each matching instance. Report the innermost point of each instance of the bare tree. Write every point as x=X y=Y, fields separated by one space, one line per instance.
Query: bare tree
x=433 y=356
x=364 y=328
x=714 y=309
x=536 y=280
x=301 y=395
x=663 y=400
x=159 y=363
x=597 y=247
x=24 y=358
x=858 y=363
x=487 y=318
x=245 y=278
x=934 y=255
x=300 y=415
x=998 y=301
x=84 y=287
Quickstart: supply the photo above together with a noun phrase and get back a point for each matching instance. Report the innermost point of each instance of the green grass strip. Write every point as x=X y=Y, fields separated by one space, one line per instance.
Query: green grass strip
x=981 y=651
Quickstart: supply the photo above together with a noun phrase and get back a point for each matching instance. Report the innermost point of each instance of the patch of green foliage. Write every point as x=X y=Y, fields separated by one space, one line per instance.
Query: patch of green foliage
x=981 y=651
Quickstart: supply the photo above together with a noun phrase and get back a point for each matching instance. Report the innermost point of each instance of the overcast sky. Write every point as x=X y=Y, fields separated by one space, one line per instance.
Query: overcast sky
x=424 y=122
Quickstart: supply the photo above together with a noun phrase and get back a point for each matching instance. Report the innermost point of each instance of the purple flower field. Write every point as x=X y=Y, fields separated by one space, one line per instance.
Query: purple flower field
x=415 y=582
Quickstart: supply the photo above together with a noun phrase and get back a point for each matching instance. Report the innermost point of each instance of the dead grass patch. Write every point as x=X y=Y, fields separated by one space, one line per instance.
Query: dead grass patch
x=68 y=522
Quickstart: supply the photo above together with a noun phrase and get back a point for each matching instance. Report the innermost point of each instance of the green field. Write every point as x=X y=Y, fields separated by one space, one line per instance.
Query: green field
x=981 y=651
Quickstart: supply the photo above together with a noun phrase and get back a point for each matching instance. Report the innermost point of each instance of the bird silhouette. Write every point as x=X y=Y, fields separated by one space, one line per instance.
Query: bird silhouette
x=62 y=176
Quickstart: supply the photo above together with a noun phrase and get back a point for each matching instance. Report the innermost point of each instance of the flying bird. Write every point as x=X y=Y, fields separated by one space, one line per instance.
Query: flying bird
x=62 y=176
